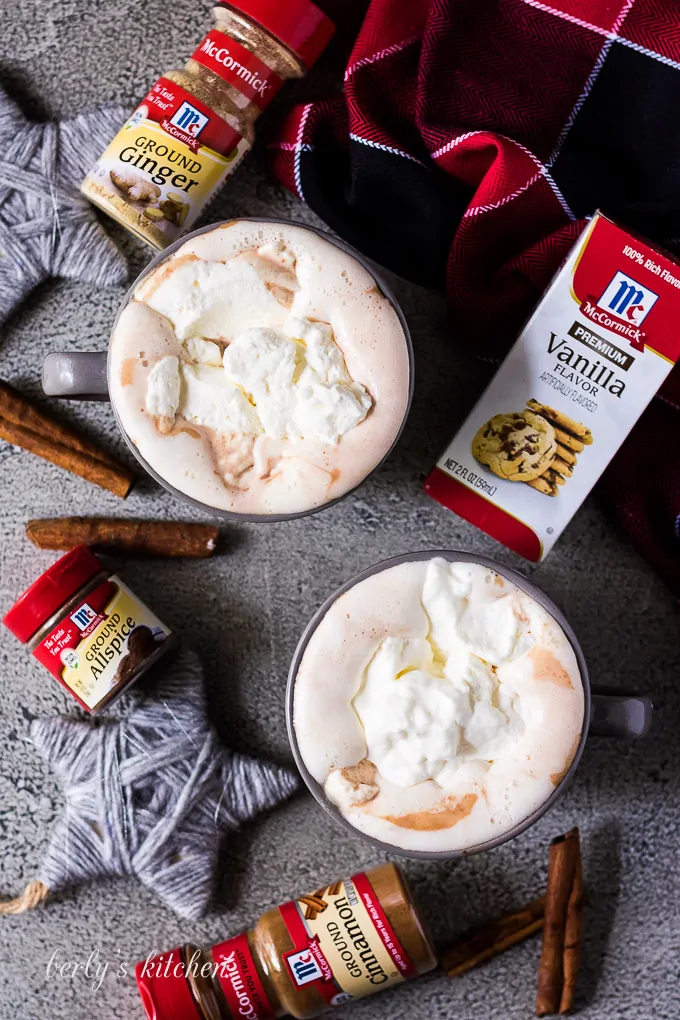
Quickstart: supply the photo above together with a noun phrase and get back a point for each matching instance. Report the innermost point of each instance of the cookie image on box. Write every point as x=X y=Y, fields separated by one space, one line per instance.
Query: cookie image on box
x=571 y=438
x=538 y=446
x=517 y=446
x=575 y=429
x=544 y=484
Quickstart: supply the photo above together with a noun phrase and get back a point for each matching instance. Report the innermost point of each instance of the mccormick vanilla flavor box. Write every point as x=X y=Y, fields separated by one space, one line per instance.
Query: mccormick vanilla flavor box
x=600 y=343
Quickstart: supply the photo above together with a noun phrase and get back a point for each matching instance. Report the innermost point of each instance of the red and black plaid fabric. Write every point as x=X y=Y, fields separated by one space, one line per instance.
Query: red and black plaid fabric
x=472 y=140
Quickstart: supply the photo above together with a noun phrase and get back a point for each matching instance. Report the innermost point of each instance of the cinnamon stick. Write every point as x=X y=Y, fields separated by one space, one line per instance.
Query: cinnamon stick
x=571 y=957
x=562 y=865
x=24 y=424
x=116 y=479
x=147 y=538
x=495 y=938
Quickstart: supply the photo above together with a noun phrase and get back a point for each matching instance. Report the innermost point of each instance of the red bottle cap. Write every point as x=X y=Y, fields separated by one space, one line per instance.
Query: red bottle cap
x=164 y=989
x=298 y=24
x=51 y=590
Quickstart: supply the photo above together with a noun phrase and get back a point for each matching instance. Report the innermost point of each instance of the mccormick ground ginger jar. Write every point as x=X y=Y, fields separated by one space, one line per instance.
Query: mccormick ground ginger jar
x=194 y=126
x=88 y=629
x=342 y=942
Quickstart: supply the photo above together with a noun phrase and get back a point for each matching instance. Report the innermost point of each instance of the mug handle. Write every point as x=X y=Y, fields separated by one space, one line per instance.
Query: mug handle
x=76 y=375
x=619 y=715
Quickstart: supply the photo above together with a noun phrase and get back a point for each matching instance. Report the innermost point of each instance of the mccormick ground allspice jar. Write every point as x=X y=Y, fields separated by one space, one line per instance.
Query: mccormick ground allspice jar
x=194 y=126
x=88 y=629
x=342 y=942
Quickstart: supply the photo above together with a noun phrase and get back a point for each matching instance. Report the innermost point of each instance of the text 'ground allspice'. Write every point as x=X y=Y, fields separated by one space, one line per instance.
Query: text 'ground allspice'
x=195 y=125
x=347 y=940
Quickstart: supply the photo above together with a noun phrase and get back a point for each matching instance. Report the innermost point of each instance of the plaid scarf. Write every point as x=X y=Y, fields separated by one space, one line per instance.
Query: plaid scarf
x=493 y=129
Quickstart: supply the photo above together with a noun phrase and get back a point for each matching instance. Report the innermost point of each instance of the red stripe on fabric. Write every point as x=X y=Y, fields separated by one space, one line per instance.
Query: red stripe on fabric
x=535 y=67
x=501 y=263
x=387 y=24
x=383 y=54
x=598 y=15
x=654 y=24
x=376 y=87
x=291 y=126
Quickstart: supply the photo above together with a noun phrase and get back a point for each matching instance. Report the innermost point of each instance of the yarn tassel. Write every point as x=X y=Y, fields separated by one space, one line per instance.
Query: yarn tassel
x=34 y=894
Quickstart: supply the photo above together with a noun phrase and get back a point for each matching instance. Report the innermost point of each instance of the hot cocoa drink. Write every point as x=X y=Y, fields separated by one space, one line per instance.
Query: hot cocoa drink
x=456 y=704
x=260 y=369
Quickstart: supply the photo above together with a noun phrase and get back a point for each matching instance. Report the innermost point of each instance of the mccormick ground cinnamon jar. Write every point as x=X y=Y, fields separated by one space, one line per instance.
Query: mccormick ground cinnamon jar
x=194 y=126
x=342 y=942
x=88 y=629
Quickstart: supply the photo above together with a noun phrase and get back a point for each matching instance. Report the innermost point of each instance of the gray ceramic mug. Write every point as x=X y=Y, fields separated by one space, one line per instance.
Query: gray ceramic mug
x=84 y=376
x=605 y=713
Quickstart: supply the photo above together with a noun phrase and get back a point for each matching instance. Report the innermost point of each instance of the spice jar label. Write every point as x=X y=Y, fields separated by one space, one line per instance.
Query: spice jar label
x=101 y=642
x=343 y=942
x=165 y=163
x=238 y=67
x=240 y=982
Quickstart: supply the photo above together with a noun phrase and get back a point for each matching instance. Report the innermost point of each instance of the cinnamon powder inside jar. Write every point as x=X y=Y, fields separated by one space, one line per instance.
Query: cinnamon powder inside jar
x=341 y=942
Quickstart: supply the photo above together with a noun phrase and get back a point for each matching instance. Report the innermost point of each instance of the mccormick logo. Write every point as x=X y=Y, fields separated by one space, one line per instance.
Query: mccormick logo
x=86 y=619
x=186 y=125
x=621 y=308
x=189 y=120
x=84 y=616
x=303 y=967
x=628 y=299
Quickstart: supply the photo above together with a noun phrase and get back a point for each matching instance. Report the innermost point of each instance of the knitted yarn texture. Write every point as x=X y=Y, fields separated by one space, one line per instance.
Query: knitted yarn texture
x=150 y=795
x=47 y=228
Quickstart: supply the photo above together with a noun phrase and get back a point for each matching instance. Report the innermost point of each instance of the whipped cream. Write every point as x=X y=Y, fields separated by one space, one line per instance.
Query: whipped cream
x=421 y=723
x=215 y=300
x=458 y=688
x=266 y=382
x=299 y=391
x=205 y=352
x=342 y=790
x=208 y=398
x=260 y=369
x=162 y=392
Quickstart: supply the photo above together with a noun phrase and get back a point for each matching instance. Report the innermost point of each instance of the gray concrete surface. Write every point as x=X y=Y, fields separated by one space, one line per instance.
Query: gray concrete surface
x=245 y=611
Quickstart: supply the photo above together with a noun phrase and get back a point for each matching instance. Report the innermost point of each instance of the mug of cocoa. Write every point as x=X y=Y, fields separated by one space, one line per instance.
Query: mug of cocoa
x=460 y=704
x=258 y=369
